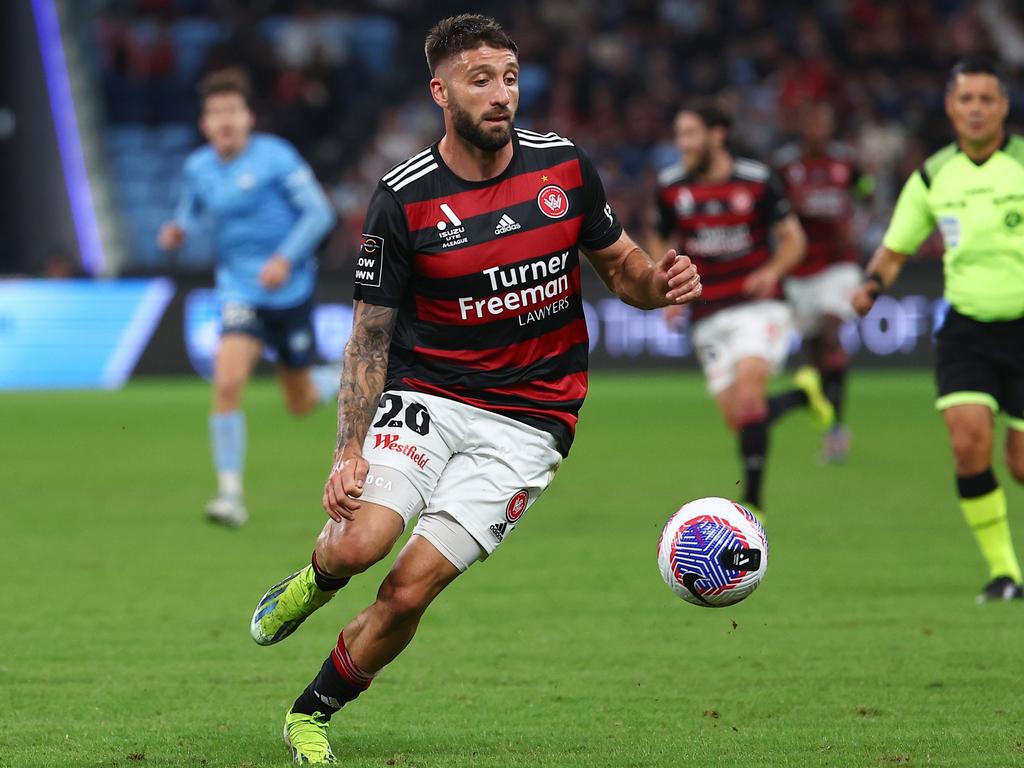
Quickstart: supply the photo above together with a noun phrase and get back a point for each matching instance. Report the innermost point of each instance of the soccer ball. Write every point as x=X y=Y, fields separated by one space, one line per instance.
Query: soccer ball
x=713 y=552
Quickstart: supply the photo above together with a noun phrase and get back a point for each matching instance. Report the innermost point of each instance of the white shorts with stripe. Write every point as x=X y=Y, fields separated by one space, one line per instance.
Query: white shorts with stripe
x=757 y=329
x=826 y=293
x=460 y=468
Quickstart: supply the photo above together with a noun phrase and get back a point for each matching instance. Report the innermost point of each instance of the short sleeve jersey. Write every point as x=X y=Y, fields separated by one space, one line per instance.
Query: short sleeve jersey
x=821 y=188
x=255 y=199
x=979 y=209
x=723 y=226
x=486 y=278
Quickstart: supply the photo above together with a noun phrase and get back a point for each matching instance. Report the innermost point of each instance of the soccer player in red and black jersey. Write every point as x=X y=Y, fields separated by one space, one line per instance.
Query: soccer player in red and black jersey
x=822 y=181
x=731 y=216
x=467 y=364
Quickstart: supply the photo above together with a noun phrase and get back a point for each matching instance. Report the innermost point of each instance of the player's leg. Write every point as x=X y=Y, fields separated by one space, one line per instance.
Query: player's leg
x=832 y=361
x=982 y=500
x=970 y=379
x=237 y=355
x=342 y=550
x=367 y=644
x=498 y=469
x=745 y=409
x=407 y=447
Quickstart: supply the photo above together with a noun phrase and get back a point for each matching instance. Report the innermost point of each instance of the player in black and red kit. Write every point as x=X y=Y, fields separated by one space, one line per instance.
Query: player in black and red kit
x=821 y=181
x=731 y=216
x=469 y=344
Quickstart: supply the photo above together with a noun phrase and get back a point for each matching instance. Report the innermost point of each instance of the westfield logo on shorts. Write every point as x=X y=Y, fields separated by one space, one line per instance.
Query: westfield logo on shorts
x=390 y=443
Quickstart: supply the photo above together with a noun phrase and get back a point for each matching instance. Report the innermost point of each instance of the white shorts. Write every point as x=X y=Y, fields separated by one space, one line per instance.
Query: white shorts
x=462 y=469
x=758 y=329
x=826 y=293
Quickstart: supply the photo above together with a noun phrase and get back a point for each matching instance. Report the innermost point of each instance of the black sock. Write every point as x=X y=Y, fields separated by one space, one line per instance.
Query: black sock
x=325 y=581
x=753 y=450
x=832 y=383
x=785 y=401
x=338 y=682
x=973 y=486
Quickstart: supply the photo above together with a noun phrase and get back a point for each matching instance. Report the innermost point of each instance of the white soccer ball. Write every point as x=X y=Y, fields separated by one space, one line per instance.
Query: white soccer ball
x=713 y=552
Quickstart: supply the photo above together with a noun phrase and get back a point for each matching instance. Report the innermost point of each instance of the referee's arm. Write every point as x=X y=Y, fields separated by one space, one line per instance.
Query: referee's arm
x=883 y=269
x=911 y=223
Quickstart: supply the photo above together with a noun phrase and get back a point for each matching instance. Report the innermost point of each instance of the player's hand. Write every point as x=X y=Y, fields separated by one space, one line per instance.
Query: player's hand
x=275 y=272
x=863 y=299
x=170 y=237
x=762 y=283
x=681 y=278
x=344 y=486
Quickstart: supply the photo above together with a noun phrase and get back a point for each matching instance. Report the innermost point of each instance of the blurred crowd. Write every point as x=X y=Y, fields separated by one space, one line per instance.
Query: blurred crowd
x=346 y=81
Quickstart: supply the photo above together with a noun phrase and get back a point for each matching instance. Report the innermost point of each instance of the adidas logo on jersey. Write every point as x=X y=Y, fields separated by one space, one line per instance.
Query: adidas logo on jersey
x=498 y=531
x=507 y=224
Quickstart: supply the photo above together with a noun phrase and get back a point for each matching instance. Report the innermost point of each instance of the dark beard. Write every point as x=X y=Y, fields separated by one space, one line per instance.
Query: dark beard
x=475 y=133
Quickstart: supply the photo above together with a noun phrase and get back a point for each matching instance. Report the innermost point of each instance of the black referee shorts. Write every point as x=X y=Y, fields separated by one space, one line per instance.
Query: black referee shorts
x=981 y=363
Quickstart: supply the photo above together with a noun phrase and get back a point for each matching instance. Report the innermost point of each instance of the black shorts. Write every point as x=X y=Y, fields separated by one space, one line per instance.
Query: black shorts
x=287 y=331
x=981 y=363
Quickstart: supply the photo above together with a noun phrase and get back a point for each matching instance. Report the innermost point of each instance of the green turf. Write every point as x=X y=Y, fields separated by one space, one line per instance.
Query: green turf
x=124 y=638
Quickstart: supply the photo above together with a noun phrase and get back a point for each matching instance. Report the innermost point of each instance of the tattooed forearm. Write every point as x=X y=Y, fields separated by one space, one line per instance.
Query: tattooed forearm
x=363 y=374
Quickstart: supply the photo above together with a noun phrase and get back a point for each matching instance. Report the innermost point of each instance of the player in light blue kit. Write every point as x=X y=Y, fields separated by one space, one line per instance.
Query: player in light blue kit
x=270 y=215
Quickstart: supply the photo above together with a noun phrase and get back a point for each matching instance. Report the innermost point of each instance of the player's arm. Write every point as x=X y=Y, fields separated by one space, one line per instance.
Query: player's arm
x=381 y=283
x=363 y=374
x=623 y=265
x=912 y=222
x=790 y=241
x=316 y=218
x=632 y=275
x=173 y=233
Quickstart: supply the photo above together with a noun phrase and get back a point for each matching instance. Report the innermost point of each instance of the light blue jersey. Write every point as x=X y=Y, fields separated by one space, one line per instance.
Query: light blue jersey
x=264 y=201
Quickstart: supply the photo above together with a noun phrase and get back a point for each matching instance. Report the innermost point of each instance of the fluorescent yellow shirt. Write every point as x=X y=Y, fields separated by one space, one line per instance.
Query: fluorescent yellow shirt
x=979 y=210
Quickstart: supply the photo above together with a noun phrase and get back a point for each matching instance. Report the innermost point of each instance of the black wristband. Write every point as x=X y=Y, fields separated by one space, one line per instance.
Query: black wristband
x=876 y=278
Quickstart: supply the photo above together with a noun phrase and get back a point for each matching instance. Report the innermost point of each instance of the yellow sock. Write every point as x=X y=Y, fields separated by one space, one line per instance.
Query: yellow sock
x=986 y=515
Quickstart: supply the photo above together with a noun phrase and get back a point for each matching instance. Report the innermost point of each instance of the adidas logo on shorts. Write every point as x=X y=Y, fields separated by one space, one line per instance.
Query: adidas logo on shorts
x=507 y=224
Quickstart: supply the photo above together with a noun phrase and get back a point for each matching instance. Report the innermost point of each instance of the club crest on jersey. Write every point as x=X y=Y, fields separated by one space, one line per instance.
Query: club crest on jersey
x=553 y=202
x=685 y=204
x=741 y=201
x=516 y=506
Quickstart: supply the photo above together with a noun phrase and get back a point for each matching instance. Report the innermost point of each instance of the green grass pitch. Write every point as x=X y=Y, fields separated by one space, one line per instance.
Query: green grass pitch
x=124 y=634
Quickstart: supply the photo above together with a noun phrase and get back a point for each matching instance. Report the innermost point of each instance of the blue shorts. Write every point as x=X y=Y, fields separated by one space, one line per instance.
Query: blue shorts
x=288 y=331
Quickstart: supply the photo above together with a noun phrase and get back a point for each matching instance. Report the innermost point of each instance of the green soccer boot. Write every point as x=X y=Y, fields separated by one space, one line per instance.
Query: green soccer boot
x=823 y=415
x=286 y=605
x=306 y=737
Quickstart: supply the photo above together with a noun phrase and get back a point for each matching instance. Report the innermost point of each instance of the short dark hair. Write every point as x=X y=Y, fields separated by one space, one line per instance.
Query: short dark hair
x=712 y=115
x=464 y=32
x=976 y=65
x=232 y=80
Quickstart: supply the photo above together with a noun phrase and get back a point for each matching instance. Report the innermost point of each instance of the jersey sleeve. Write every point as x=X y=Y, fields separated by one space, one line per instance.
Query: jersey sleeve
x=664 y=215
x=189 y=202
x=600 y=227
x=316 y=217
x=775 y=203
x=912 y=220
x=384 y=261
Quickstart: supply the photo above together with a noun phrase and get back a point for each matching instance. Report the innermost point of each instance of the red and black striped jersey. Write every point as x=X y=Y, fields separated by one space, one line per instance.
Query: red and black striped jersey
x=821 y=187
x=723 y=226
x=486 y=278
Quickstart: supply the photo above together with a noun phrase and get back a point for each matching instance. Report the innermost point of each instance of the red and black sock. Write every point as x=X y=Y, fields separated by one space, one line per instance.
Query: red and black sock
x=325 y=581
x=753 y=453
x=784 y=402
x=833 y=383
x=338 y=682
